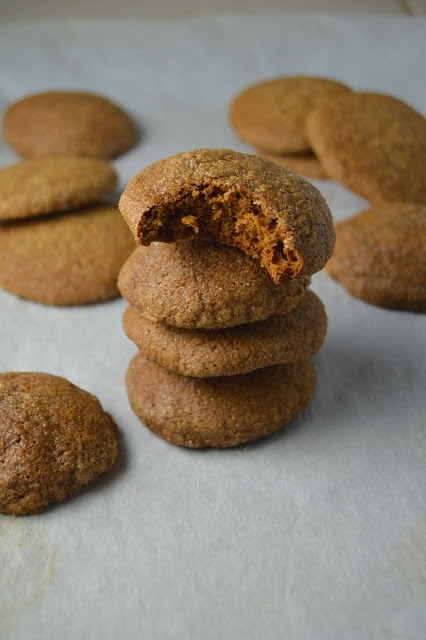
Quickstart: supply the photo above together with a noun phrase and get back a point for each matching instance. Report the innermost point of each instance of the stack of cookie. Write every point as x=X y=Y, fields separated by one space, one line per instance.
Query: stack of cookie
x=58 y=244
x=219 y=304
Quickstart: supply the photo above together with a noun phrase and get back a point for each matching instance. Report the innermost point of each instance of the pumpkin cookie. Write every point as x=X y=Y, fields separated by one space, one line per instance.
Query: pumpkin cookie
x=380 y=256
x=217 y=412
x=272 y=115
x=196 y=284
x=372 y=144
x=39 y=186
x=306 y=164
x=54 y=439
x=227 y=352
x=238 y=199
x=68 y=123
x=67 y=259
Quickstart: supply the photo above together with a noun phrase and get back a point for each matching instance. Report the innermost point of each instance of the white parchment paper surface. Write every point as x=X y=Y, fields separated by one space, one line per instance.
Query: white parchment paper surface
x=317 y=532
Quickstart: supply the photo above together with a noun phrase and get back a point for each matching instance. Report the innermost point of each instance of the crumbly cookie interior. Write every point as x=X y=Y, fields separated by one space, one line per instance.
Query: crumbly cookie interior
x=229 y=216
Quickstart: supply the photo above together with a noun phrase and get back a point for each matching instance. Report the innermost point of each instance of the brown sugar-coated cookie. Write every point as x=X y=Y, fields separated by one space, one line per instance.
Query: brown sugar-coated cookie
x=38 y=186
x=217 y=412
x=54 y=439
x=62 y=123
x=227 y=352
x=373 y=144
x=380 y=256
x=306 y=164
x=67 y=259
x=198 y=284
x=238 y=199
x=272 y=115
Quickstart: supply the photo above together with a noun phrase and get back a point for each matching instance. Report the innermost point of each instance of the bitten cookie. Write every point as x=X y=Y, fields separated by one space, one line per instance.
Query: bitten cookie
x=54 y=439
x=217 y=412
x=306 y=164
x=380 y=256
x=197 y=284
x=67 y=259
x=272 y=115
x=372 y=144
x=40 y=186
x=68 y=123
x=238 y=199
x=227 y=352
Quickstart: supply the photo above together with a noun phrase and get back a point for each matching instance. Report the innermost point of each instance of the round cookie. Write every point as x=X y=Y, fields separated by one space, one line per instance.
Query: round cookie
x=68 y=123
x=373 y=144
x=67 y=259
x=227 y=352
x=380 y=256
x=306 y=164
x=217 y=412
x=54 y=439
x=272 y=115
x=238 y=199
x=38 y=186
x=196 y=284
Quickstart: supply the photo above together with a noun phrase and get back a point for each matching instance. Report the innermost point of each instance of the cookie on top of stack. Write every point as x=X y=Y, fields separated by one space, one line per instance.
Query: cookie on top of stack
x=58 y=244
x=219 y=309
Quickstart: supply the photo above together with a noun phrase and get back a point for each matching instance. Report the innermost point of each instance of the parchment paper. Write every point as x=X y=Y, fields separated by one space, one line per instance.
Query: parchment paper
x=316 y=532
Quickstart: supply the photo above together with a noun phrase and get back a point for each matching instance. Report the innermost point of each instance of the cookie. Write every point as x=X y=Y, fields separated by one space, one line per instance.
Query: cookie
x=54 y=439
x=272 y=115
x=227 y=352
x=306 y=164
x=372 y=144
x=67 y=259
x=40 y=186
x=196 y=284
x=380 y=256
x=237 y=199
x=68 y=123
x=217 y=412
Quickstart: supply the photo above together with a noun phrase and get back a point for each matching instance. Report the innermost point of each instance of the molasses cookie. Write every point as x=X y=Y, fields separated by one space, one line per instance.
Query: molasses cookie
x=40 y=186
x=240 y=200
x=67 y=259
x=68 y=123
x=54 y=439
x=196 y=284
x=380 y=256
x=373 y=144
x=272 y=115
x=227 y=352
x=217 y=412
